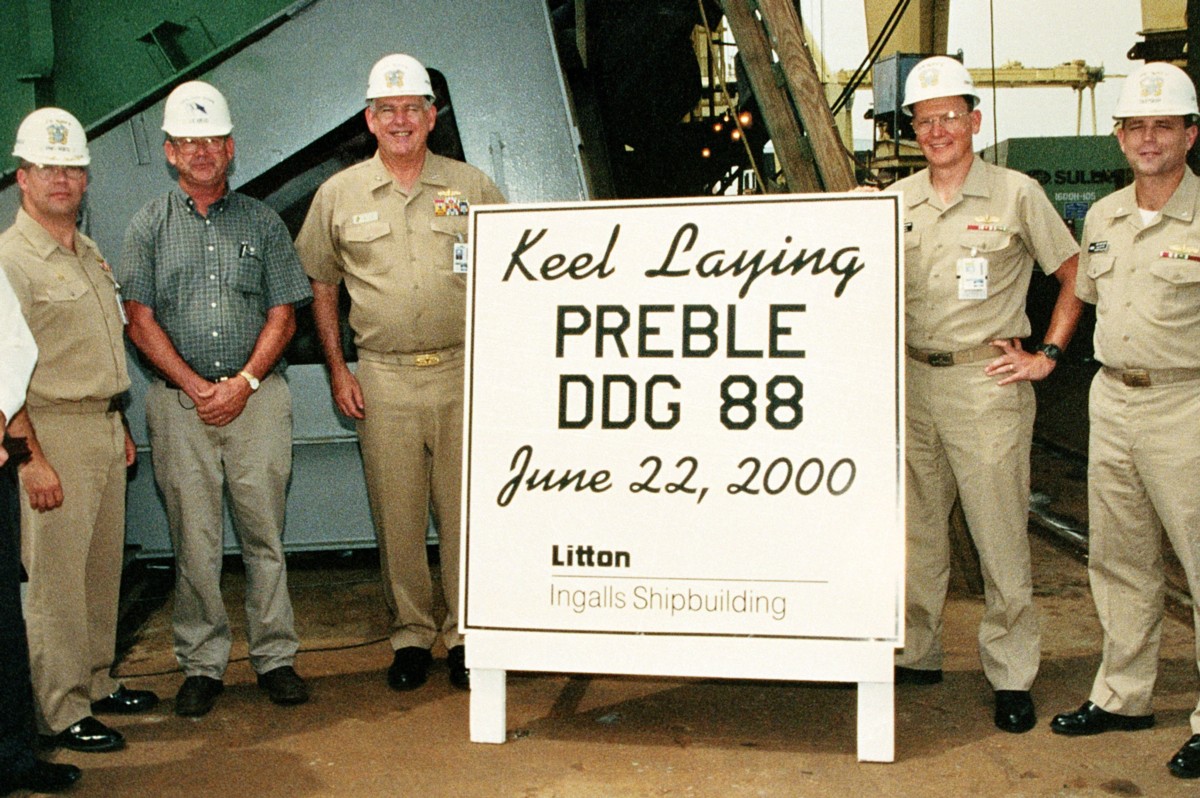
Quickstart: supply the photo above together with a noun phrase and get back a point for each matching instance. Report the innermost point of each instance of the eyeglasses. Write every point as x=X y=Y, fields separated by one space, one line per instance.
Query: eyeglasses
x=386 y=113
x=50 y=171
x=190 y=146
x=951 y=120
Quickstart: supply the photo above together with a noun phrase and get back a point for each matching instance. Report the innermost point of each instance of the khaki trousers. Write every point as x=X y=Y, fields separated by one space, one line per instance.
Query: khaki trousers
x=194 y=465
x=1143 y=458
x=73 y=555
x=411 y=443
x=968 y=436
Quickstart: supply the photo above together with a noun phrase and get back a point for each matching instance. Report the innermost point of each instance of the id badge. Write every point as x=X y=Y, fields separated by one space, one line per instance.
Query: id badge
x=460 y=258
x=972 y=278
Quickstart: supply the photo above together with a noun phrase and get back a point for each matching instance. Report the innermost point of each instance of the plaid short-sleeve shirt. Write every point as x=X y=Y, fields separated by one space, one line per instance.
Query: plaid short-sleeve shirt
x=210 y=280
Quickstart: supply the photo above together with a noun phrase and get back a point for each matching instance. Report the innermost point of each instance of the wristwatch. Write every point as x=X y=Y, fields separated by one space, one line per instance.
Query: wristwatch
x=250 y=378
x=1051 y=351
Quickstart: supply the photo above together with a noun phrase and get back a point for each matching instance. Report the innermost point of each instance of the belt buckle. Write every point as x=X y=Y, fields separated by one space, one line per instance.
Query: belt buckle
x=427 y=360
x=1136 y=378
x=941 y=359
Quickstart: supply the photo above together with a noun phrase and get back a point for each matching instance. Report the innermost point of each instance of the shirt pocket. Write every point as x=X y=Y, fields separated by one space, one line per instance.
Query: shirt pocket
x=247 y=272
x=449 y=230
x=987 y=245
x=1179 y=283
x=364 y=247
x=63 y=291
x=57 y=305
x=1098 y=266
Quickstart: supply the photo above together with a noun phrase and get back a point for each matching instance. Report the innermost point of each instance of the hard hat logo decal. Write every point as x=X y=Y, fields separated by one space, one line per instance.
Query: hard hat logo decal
x=56 y=133
x=198 y=107
x=928 y=78
x=1156 y=89
x=394 y=79
x=1152 y=85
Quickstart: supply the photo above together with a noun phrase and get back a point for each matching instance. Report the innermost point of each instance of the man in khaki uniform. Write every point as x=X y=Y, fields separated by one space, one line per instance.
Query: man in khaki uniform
x=387 y=227
x=972 y=234
x=73 y=516
x=1141 y=268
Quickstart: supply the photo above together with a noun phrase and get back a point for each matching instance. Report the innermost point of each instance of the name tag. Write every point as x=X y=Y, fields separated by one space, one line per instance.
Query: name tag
x=363 y=218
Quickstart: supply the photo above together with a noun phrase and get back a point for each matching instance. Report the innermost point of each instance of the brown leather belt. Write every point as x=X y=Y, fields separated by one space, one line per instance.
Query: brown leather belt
x=1144 y=378
x=973 y=355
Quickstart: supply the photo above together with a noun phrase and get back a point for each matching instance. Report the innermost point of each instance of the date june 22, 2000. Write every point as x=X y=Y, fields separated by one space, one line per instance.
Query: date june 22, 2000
x=755 y=477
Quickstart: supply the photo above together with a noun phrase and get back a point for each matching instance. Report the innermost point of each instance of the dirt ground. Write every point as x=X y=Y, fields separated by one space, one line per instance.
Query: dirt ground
x=610 y=737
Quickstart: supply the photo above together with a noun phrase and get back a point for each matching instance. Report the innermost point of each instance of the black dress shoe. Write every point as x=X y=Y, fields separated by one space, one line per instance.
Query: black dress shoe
x=920 y=676
x=410 y=668
x=88 y=735
x=1186 y=762
x=125 y=702
x=1014 y=711
x=456 y=660
x=42 y=777
x=1091 y=719
x=284 y=686
x=197 y=695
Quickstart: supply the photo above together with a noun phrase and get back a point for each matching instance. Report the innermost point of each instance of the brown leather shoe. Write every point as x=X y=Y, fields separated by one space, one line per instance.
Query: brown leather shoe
x=284 y=686
x=197 y=696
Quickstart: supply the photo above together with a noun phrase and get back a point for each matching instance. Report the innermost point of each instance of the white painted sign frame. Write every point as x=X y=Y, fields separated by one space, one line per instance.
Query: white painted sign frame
x=503 y=639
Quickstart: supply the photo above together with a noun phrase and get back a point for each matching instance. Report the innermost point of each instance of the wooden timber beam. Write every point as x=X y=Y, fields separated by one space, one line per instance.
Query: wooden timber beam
x=777 y=110
x=787 y=38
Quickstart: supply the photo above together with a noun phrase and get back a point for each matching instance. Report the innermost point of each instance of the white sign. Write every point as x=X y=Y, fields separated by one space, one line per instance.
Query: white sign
x=684 y=419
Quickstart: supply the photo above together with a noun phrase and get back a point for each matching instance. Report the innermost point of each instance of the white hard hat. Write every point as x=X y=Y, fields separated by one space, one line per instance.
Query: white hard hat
x=398 y=75
x=52 y=136
x=196 y=109
x=938 y=76
x=1156 y=89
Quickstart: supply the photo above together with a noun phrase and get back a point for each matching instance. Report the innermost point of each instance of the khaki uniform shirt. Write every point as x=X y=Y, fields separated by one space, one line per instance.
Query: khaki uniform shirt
x=1000 y=215
x=395 y=251
x=1144 y=281
x=18 y=352
x=70 y=302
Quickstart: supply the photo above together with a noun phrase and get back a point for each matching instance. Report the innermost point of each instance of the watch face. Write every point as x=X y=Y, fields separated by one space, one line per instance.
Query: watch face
x=1050 y=350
